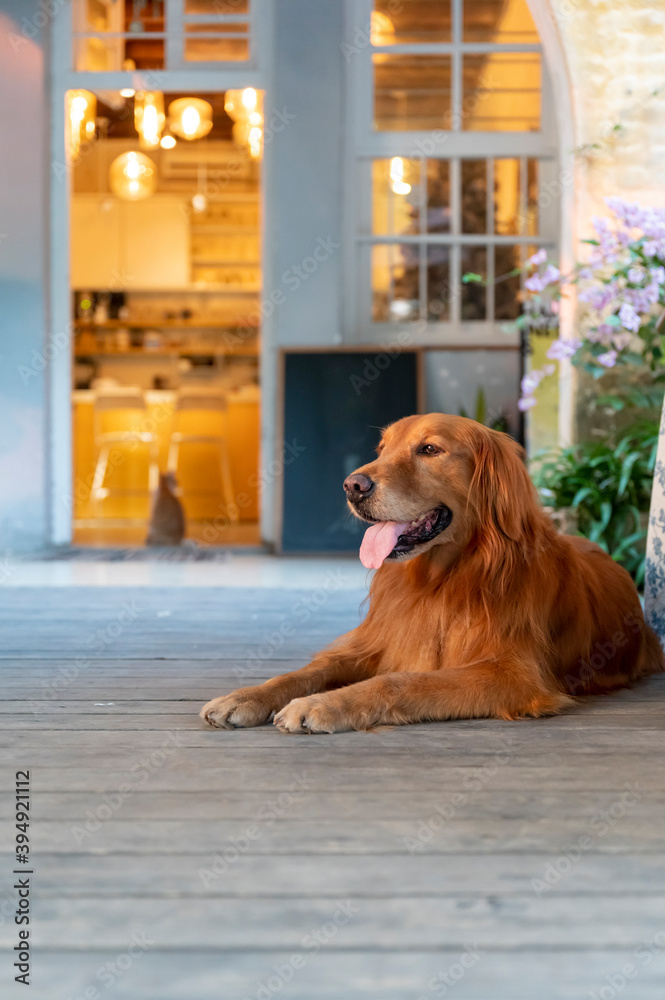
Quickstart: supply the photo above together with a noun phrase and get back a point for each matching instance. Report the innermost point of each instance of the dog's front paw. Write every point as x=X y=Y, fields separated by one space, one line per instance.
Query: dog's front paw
x=318 y=713
x=238 y=710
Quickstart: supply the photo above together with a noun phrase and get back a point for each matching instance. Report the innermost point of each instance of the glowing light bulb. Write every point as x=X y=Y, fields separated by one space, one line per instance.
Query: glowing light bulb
x=249 y=98
x=398 y=185
x=150 y=127
x=190 y=117
x=254 y=139
x=81 y=109
x=149 y=117
x=190 y=121
x=168 y=142
x=127 y=92
x=132 y=176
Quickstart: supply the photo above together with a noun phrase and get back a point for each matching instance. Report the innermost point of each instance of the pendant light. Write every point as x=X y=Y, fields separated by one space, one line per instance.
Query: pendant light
x=149 y=117
x=245 y=108
x=133 y=176
x=190 y=117
x=81 y=111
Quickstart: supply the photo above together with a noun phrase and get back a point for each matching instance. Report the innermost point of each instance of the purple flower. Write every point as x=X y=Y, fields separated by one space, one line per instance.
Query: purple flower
x=539 y=282
x=539 y=257
x=562 y=349
x=629 y=318
x=526 y=403
x=531 y=381
x=608 y=360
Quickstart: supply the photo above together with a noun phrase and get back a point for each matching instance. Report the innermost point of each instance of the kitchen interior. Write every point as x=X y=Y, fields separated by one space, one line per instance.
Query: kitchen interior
x=165 y=282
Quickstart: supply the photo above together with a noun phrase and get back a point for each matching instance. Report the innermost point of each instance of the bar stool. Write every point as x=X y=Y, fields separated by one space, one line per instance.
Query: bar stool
x=207 y=403
x=119 y=415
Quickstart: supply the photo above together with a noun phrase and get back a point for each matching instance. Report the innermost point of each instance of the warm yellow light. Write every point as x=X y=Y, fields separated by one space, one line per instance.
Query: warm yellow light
x=127 y=92
x=81 y=110
x=244 y=107
x=190 y=117
x=382 y=30
x=191 y=120
x=254 y=139
x=249 y=98
x=149 y=117
x=398 y=184
x=168 y=142
x=133 y=176
x=397 y=168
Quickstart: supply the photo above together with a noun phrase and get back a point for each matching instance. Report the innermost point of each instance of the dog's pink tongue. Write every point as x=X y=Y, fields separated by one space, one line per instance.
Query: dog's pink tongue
x=379 y=541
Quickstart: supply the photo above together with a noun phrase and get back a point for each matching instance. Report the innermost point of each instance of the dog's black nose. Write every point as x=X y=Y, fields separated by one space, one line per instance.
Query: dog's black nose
x=357 y=486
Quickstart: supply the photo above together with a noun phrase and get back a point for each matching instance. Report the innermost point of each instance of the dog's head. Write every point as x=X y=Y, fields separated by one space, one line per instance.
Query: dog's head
x=439 y=480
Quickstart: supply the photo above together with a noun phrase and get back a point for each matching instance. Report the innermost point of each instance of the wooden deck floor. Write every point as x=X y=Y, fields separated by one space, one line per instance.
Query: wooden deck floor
x=477 y=860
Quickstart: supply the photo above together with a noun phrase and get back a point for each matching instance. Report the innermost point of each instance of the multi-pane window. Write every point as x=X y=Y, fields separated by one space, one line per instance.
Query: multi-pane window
x=457 y=161
x=434 y=220
x=112 y=35
x=448 y=64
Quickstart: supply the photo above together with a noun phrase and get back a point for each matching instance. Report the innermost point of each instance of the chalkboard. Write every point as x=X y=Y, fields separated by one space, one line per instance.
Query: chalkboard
x=334 y=405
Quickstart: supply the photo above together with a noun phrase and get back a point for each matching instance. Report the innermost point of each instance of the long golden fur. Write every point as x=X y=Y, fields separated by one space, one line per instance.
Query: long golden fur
x=497 y=616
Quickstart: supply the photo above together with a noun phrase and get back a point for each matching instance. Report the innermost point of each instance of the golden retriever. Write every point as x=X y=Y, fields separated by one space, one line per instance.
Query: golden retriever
x=478 y=608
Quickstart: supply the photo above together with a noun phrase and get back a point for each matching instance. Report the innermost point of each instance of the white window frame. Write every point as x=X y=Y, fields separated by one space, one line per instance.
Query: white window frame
x=60 y=327
x=367 y=144
x=175 y=35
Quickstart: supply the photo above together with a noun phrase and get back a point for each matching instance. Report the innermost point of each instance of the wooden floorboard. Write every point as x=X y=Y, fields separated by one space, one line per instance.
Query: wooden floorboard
x=477 y=859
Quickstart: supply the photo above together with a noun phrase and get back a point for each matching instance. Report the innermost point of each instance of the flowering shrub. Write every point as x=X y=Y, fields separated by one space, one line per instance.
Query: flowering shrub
x=623 y=285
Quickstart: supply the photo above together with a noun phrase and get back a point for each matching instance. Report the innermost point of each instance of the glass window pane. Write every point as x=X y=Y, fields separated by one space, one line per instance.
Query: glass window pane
x=507 y=286
x=438 y=196
x=411 y=93
x=220 y=49
x=498 y=21
x=474 y=295
x=474 y=196
x=395 y=283
x=395 y=196
x=438 y=283
x=501 y=92
x=532 y=198
x=479 y=383
x=401 y=21
x=507 y=205
x=100 y=54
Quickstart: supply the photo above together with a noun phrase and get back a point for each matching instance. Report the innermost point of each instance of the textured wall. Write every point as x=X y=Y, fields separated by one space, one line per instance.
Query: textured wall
x=616 y=59
x=24 y=172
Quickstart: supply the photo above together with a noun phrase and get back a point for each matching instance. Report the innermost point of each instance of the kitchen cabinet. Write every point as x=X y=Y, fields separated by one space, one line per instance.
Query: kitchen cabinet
x=125 y=245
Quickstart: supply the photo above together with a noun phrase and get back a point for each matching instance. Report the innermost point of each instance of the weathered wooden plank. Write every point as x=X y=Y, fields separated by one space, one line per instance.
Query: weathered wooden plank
x=510 y=740
x=627 y=834
x=339 y=875
x=416 y=805
x=160 y=716
x=397 y=975
x=512 y=922
x=271 y=774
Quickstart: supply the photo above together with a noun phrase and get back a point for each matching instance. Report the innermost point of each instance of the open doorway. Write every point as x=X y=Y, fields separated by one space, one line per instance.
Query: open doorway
x=165 y=289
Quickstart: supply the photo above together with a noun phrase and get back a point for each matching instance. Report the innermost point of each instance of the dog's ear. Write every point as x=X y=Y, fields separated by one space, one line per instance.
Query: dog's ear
x=501 y=490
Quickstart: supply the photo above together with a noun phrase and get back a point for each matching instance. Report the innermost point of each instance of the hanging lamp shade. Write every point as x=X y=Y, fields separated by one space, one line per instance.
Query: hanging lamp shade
x=133 y=176
x=81 y=109
x=245 y=108
x=149 y=117
x=190 y=117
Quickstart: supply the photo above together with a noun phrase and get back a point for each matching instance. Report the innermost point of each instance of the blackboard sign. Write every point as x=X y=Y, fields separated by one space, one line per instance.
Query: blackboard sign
x=334 y=405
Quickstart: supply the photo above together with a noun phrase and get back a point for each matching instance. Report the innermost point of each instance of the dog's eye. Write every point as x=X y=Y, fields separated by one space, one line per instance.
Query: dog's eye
x=429 y=449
